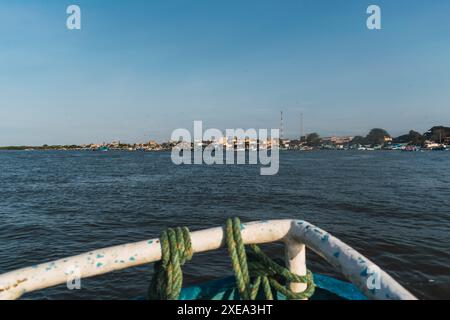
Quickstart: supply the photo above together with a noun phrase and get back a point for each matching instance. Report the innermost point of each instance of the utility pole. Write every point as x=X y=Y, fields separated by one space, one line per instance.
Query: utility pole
x=301 y=126
x=281 y=127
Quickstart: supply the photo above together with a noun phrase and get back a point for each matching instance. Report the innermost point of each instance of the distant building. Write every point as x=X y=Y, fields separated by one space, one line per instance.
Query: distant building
x=285 y=143
x=115 y=144
x=337 y=140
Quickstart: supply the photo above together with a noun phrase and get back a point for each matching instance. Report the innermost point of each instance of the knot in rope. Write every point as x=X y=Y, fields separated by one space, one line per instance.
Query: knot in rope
x=266 y=272
x=176 y=249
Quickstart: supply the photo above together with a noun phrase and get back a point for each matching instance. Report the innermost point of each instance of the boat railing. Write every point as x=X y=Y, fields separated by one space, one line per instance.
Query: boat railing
x=297 y=235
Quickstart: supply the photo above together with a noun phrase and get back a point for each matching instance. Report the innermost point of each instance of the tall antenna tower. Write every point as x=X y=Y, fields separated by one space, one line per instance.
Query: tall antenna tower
x=281 y=127
x=301 y=126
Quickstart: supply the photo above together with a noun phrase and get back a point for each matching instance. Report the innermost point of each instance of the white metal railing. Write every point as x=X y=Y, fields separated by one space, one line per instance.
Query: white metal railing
x=296 y=234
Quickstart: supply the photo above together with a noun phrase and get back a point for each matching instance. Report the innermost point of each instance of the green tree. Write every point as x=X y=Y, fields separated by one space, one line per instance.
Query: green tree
x=415 y=138
x=313 y=140
x=377 y=136
x=437 y=133
x=359 y=140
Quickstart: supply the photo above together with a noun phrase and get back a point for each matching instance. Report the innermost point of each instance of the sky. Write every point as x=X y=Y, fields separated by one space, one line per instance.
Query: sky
x=137 y=70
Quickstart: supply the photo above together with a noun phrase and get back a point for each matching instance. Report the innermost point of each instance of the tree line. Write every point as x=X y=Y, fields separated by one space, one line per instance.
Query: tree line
x=379 y=136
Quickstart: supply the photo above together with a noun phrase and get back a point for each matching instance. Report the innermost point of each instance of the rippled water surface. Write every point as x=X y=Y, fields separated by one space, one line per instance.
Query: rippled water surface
x=394 y=207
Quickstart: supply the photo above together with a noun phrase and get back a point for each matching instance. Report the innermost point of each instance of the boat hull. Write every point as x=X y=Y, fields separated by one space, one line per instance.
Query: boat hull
x=327 y=288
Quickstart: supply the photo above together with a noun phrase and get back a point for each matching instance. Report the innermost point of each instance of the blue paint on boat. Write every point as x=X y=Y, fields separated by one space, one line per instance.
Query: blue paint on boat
x=327 y=288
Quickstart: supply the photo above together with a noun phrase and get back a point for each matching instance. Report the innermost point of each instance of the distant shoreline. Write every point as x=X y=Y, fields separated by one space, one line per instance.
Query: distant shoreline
x=40 y=149
x=437 y=138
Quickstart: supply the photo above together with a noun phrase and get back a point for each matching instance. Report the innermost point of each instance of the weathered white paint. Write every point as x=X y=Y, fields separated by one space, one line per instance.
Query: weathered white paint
x=296 y=262
x=353 y=265
x=294 y=233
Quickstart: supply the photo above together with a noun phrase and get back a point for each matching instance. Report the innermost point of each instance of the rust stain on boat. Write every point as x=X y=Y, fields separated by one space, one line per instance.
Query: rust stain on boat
x=15 y=285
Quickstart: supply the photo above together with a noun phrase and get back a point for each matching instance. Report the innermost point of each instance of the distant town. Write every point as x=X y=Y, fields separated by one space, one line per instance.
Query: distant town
x=437 y=138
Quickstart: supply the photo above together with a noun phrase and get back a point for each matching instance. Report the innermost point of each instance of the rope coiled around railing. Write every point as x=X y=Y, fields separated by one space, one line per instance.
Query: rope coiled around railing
x=264 y=270
x=176 y=249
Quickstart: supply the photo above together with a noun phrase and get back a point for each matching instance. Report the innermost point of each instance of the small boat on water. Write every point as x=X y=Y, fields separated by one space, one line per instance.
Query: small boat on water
x=365 y=280
x=440 y=147
x=411 y=148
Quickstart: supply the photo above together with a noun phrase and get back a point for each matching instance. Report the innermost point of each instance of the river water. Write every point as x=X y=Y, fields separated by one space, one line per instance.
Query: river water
x=394 y=207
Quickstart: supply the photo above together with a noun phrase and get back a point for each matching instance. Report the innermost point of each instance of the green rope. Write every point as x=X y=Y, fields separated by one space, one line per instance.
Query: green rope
x=263 y=269
x=176 y=249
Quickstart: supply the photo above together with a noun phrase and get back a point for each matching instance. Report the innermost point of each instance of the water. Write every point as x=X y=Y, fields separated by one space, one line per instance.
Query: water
x=394 y=207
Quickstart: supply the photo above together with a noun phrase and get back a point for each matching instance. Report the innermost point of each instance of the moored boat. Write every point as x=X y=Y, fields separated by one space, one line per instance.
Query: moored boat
x=411 y=148
x=440 y=147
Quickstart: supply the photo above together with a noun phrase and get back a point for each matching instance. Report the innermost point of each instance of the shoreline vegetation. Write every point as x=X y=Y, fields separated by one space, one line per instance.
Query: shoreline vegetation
x=437 y=138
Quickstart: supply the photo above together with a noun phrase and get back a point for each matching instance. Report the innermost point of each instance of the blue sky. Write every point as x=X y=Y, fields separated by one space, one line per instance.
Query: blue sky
x=140 y=69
